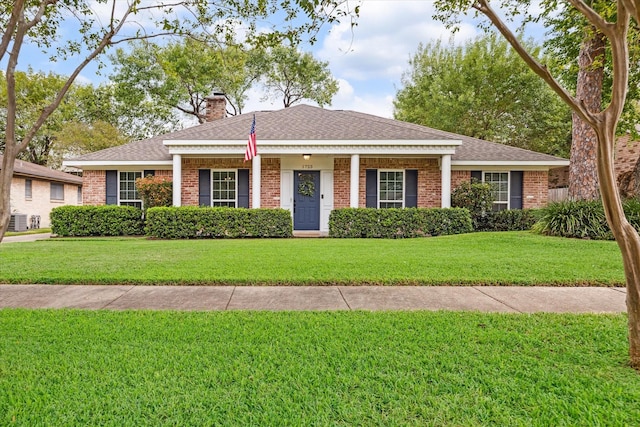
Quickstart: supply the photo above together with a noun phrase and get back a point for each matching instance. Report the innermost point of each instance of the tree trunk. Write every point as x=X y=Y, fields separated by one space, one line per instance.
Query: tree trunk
x=583 y=176
x=626 y=236
x=6 y=175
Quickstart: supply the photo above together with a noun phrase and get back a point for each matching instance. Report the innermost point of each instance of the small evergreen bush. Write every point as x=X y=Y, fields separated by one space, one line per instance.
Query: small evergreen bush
x=476 y=197
x=190 y=222
x=398 y=223
x=106 y=220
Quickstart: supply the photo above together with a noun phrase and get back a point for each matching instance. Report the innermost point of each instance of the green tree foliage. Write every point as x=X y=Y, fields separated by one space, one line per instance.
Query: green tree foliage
x=179 y=76
x=484 y=90
x=567 y=31
x=83 y=122
x=296 y=76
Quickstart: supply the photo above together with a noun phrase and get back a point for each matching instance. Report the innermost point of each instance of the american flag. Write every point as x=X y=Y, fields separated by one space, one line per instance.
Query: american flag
x=252 y=149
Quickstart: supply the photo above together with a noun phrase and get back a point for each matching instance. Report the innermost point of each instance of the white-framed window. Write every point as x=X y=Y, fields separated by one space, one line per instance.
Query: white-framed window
x=28 y=189
x=128 y=193
x=79 y=195
x=57 y=192
x=391 y=188
x=499 y=182
x=224 y=188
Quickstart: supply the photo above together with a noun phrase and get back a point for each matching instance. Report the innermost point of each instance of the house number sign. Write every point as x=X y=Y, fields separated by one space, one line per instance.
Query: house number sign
x=307 y=166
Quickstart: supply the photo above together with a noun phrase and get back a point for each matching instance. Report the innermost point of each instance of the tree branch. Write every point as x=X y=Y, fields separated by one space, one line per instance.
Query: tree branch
x=49 y=109
x=593 y=17
x=18 y=9
x=541 y=70
x=620 y=64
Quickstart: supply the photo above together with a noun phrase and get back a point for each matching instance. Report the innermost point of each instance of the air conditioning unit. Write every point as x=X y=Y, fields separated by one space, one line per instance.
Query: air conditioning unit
x=18 y=222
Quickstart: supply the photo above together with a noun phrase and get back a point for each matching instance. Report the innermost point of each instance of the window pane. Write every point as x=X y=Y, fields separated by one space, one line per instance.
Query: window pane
x=499 y=182
x=223 y=186
x=128 y=193
x=28 y=192
x=391 y=189
x=57 y=191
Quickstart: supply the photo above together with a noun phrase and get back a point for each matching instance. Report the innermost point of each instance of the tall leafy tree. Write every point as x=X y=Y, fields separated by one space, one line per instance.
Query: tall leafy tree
x=83 y=107
x=484 y=90
x=604 y=121
x=89 y=32
x=296 y=76
x=583 y=63
x=181 y=75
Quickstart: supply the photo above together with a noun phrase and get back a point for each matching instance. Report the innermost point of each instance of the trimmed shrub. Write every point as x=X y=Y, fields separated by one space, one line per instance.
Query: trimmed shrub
x=190 y=222
x=106 y=220
x=582 y=219
x=475 y=196
x=398 y=223
x=508 y=220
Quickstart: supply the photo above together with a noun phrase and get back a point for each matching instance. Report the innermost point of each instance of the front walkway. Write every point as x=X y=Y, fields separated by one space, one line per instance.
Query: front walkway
x=506 y=299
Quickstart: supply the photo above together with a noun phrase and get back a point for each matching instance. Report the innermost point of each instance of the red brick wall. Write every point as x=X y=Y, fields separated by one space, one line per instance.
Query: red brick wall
x=626 y=154
x=94 y=187
x=429 y=179
x=535 y=191
x=270 y=183
x=559 y=177
x=458 y=177
x=341 y=183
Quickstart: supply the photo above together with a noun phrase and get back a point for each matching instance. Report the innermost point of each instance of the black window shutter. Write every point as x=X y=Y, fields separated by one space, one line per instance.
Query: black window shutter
x=112 y=187
x=477 y=175
x=148 y=172
x=243 y=188
x=371 y=190
x=411 y=190
x=204 y=187
x=515 y=198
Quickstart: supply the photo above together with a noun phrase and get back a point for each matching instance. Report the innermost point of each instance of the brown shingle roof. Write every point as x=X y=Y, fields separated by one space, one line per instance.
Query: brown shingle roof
x=306 y=123
x=31 y=170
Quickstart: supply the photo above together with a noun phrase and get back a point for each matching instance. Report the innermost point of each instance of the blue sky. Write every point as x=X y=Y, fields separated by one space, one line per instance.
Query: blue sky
x=368 y=61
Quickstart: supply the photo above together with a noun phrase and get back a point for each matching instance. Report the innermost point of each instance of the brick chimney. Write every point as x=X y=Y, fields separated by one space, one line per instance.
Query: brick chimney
x=216 y=107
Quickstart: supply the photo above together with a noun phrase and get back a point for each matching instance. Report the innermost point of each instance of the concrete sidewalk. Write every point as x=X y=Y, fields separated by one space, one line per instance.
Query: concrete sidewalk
x=506 y=299
x=26 y=238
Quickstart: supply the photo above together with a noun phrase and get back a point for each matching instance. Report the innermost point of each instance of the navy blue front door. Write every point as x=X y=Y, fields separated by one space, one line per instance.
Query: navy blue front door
x=306 y=200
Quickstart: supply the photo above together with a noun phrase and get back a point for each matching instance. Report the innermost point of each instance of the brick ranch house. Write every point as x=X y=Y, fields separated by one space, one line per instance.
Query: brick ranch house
x=312 y=160
x=36 y=190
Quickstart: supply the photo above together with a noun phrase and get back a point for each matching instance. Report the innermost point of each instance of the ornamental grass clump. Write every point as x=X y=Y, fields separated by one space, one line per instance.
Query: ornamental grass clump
x=582 y=219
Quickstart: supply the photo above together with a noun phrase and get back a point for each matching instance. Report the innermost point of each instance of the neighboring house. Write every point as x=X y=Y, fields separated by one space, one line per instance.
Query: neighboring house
x=35 y=190
x=312 y=160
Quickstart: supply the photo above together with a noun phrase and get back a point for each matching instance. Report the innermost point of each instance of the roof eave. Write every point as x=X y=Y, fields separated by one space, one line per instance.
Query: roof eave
x=108 y=163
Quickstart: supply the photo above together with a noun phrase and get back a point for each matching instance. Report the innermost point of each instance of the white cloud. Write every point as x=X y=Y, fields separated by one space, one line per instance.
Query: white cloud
x=372 y=56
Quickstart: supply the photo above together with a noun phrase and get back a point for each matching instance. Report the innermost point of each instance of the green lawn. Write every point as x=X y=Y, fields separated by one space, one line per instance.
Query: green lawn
x=63 y=367
x=480 y=258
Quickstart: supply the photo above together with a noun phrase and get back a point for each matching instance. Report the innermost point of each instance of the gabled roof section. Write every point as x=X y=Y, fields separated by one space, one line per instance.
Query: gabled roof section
x=31 y=170
x=307 y=123
x=303 y=123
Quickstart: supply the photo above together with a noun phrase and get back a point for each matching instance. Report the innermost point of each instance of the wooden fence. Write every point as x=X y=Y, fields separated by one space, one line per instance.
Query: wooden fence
x=558 y=194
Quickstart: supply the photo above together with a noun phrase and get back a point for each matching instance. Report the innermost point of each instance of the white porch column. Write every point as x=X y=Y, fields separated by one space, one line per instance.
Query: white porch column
x=177 y=180
x=354 y=188
x=256 y=190
x=446 y=180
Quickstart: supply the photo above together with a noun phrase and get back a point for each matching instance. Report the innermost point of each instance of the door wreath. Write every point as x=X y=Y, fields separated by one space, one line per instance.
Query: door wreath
x=306 y=185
